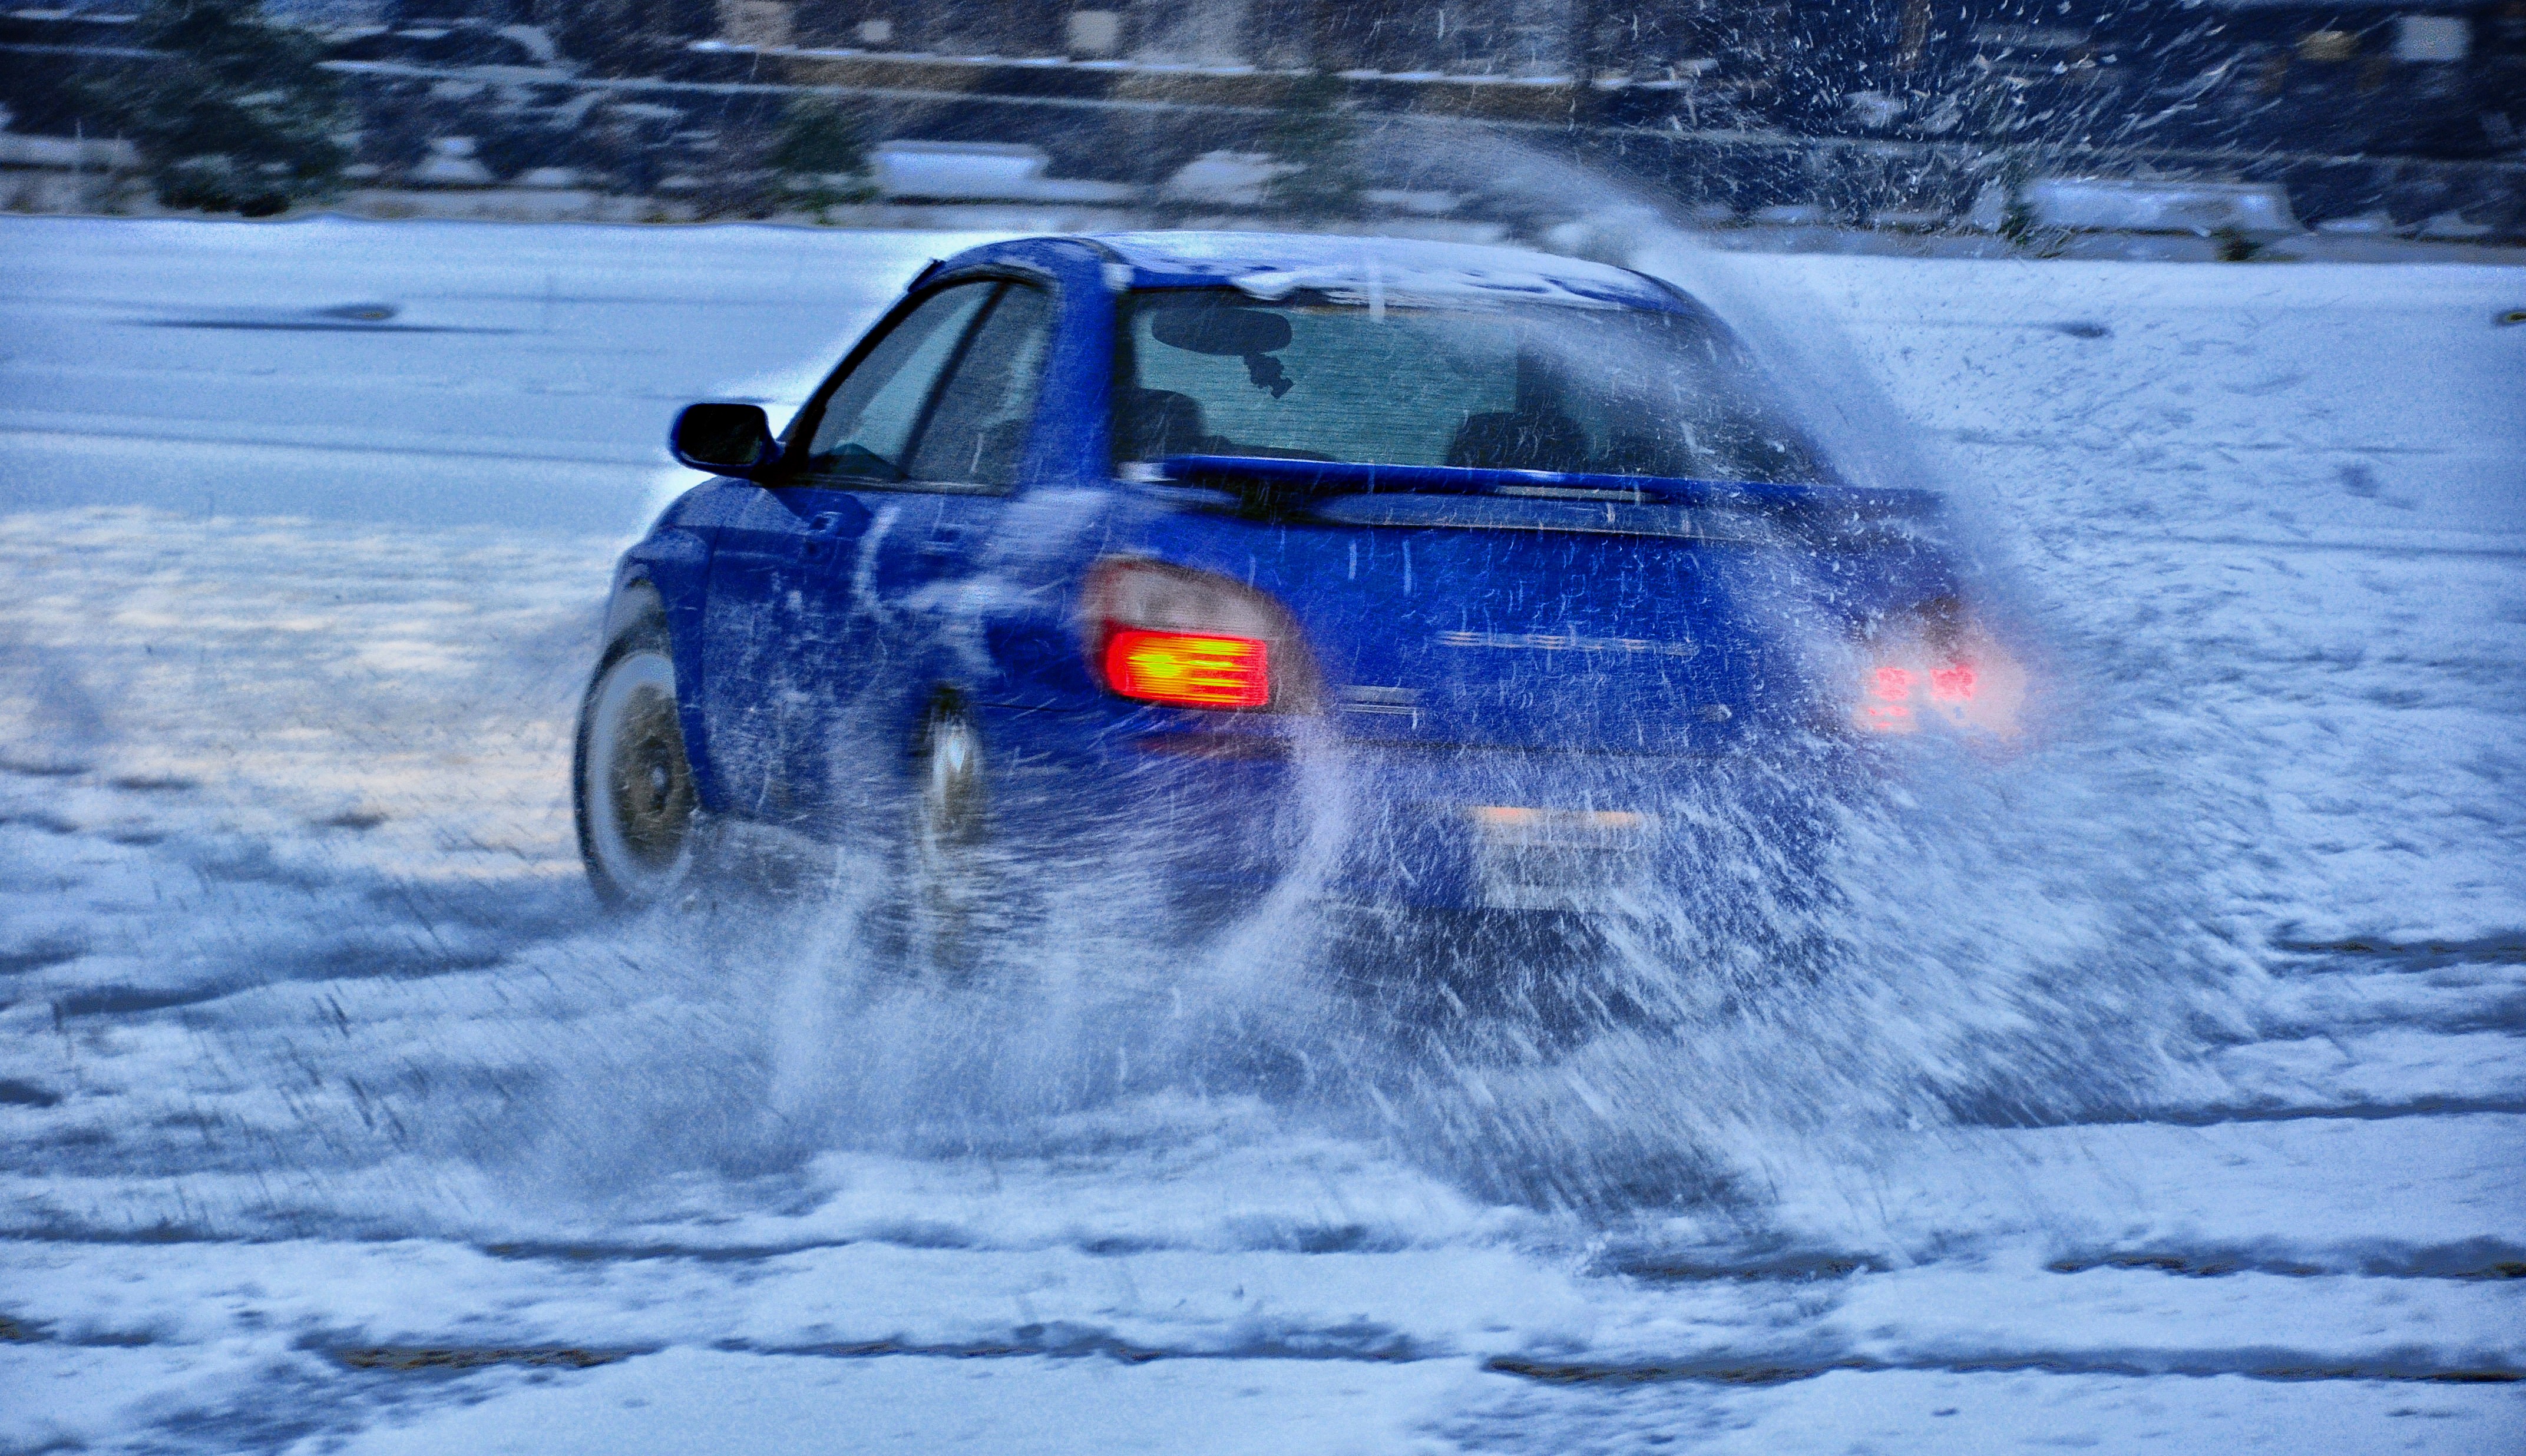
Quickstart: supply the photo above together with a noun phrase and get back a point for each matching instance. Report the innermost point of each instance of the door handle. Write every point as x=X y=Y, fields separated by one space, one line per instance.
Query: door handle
x=818 y=542
x=944 y=540
x=824 y=529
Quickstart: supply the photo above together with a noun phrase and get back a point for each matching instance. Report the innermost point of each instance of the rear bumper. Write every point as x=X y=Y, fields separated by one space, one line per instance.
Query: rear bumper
x=1221 y=812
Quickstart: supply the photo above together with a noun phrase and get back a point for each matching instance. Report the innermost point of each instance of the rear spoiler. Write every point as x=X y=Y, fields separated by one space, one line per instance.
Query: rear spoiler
x=1271 y=486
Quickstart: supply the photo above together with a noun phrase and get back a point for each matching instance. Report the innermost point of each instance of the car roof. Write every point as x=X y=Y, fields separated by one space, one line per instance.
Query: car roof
x=1274 y=264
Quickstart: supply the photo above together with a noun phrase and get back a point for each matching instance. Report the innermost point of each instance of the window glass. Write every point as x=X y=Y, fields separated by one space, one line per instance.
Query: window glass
x=977 y=432
x=1543 y=387
x=1394 y=393
x=867 y=427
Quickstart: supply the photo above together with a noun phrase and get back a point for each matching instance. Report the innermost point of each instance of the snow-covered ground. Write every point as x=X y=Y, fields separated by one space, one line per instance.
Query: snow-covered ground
x=2178 y=1100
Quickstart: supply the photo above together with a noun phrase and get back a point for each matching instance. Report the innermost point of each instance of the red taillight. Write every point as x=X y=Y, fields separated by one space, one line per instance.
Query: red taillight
x=1966 y=681
x=1192 y=670
x=1165 y=635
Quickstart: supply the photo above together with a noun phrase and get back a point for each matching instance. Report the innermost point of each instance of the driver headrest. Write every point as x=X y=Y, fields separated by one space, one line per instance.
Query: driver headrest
x=1157 y=423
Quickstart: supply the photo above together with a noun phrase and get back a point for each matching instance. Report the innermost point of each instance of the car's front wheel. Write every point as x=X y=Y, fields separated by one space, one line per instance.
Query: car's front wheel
x=633 y=786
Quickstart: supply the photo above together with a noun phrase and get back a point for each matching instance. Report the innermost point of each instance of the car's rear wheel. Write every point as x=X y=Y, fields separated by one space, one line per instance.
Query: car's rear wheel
x=632 y=782
x=950 y=889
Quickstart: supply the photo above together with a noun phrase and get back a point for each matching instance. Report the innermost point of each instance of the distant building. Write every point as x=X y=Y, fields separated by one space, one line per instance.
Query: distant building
x=2371 y=114
x=2397 y=77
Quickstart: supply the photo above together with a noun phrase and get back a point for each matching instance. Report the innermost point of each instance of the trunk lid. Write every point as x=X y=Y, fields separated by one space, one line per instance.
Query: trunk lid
x=1520 y=610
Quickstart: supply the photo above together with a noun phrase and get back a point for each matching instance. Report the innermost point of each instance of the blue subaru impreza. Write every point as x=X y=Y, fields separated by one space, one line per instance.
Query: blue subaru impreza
x=1420 y=575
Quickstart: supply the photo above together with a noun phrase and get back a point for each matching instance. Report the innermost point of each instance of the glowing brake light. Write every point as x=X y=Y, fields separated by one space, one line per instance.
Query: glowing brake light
x=1187 y=669
x=1161 y=633
x=1968 y=683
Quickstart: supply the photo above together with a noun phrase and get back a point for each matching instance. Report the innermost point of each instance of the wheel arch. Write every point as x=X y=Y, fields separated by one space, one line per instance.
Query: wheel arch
x=636 y=599
x=663 y=579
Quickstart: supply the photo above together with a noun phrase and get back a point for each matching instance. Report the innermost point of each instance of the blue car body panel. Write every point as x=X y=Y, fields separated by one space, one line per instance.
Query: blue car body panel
x=1474 y=646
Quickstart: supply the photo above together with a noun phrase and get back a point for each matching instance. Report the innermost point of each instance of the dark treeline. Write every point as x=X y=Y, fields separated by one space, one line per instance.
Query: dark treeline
x=1851 y=105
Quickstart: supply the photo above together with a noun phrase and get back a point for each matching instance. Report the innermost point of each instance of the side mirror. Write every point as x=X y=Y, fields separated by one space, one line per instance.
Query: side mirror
x=726 y=439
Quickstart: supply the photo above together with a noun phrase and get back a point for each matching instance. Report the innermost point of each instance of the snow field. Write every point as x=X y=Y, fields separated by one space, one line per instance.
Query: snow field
x=312 y=1045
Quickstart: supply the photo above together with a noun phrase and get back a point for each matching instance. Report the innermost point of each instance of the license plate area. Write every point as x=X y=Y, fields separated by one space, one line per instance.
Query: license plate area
x=1586 y=860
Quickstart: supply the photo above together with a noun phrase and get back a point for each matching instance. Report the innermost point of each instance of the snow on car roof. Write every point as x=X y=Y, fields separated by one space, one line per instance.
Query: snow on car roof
x=1273 y=265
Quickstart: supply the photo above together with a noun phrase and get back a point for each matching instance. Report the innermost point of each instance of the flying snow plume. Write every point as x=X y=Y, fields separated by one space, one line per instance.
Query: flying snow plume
x=2006 y=931
x=805 y=1000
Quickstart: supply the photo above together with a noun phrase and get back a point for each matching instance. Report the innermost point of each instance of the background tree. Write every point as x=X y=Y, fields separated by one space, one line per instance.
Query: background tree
x=237 y=117
x=819 y=155
x=1314 y=135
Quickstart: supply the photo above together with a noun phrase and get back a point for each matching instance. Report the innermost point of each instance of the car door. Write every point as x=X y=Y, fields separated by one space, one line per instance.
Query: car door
x=932 y=528
x=784 y=641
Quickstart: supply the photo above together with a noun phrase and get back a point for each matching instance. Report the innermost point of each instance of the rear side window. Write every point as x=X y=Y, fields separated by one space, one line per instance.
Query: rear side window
x=1543 y=387
x=945 y=400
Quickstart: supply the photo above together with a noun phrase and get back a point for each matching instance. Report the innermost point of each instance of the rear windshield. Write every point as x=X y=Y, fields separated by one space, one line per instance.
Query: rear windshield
x=1540 y=388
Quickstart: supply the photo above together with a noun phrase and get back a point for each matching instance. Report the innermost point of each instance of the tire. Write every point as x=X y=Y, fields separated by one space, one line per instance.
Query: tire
x=632 y=784
x=949 y=895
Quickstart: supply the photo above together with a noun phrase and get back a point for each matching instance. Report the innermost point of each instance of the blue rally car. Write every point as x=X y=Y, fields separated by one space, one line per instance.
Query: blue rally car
x=1418 y=576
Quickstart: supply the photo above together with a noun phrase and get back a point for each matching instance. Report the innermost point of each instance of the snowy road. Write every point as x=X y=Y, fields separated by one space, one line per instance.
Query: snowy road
x=2177 y=1099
